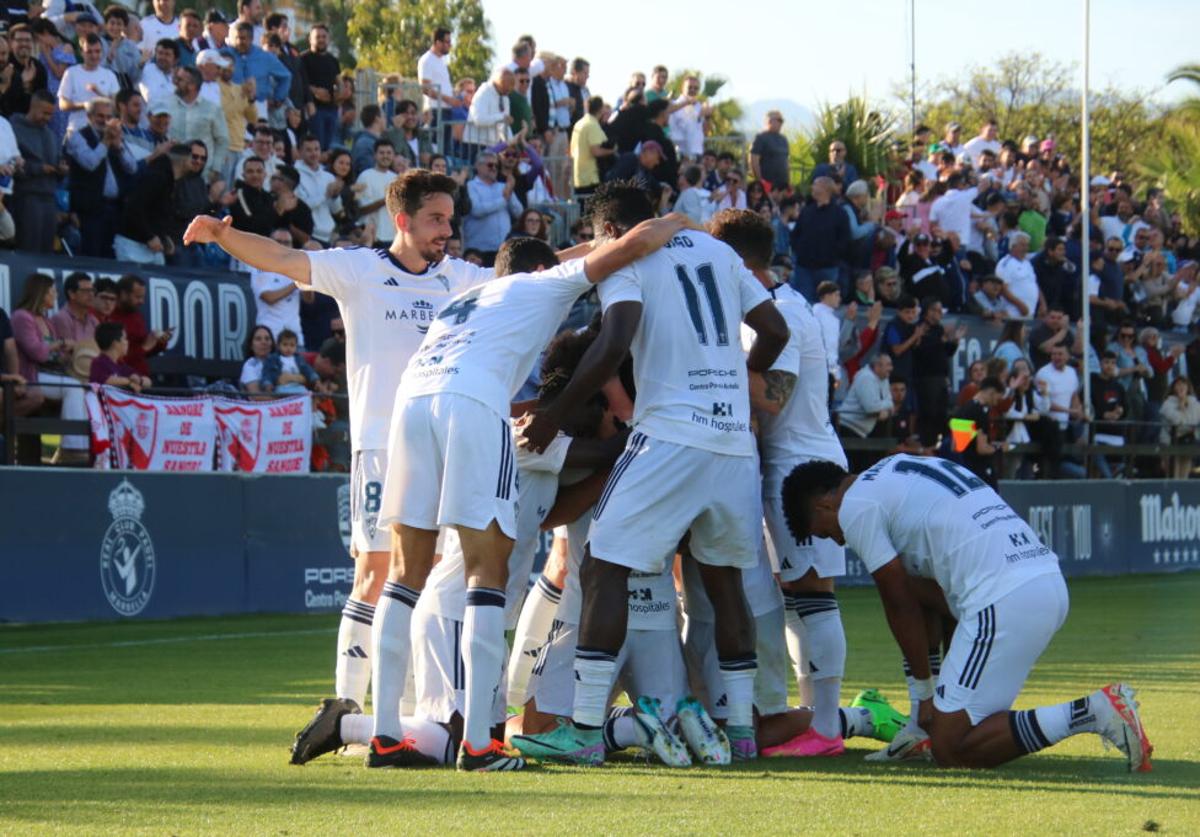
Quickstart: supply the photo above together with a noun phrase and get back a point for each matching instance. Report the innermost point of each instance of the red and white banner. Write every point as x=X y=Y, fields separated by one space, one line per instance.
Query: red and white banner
x=265 y=437
x=149 y=433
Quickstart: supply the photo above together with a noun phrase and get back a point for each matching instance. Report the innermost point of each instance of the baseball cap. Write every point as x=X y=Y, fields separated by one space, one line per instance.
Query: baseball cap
x=893 y=214
x=954 y=126
x=158 y=109
x=211 y=56
x=1101 y=180
x=921 y=238
x=1048 y=145
x=215 y=16
x=86 y=17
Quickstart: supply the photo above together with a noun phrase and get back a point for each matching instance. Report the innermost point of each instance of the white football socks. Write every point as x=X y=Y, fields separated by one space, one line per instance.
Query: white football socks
x=594 y=672
x=353 y=672
x=484 y=651
x=738 y=674
x=430 y=738
x=824 y=659
x=391 y=634
x=1037 y=729
x=533 y=629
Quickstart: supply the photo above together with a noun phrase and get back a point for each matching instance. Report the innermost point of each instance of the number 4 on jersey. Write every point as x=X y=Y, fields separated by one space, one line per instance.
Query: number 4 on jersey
x=460 y=309
x=708 y=281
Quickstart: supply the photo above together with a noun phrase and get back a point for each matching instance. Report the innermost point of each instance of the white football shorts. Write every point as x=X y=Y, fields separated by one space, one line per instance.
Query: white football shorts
x=792 y=559
x=439 y=671
x=993 y=650
x=658 y=491
x=366 y=494
x=450 y=463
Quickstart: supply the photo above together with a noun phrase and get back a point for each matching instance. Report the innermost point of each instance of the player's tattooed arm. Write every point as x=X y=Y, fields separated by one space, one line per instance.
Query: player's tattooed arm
x=771 y=390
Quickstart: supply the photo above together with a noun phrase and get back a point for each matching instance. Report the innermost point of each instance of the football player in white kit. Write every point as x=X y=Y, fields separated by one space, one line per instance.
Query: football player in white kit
x=690 y=465
x=451 y=463
x=791 y=402
x=930 y=532
x=388 y=299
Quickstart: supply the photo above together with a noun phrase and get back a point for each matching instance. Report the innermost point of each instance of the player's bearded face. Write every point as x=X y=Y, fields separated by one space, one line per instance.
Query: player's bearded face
x=430 y=229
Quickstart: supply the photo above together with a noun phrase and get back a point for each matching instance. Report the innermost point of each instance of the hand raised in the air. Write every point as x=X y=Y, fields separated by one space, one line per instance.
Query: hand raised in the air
x=539 y=431
x=205 y=229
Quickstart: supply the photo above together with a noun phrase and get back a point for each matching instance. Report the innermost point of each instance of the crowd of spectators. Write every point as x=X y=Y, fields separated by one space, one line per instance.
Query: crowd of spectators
x=118 y=129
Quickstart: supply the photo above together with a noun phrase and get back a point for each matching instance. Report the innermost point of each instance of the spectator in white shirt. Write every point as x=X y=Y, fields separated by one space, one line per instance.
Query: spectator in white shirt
x=319 y=188
x=951 y=213
x=276 y=297
x=83 y=82
x=986 y=141
x=163 y=24
x=1020 y=281
x=373 y=198
x=156 y=84
x=731 y=195
x=1062 y=387
x=829 y=297
x=687 y=120
x=869 y=399
x=693 y=200
x=488 y=120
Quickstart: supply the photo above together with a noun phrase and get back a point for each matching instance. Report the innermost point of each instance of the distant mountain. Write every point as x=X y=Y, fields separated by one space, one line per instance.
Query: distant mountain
x=795 y=115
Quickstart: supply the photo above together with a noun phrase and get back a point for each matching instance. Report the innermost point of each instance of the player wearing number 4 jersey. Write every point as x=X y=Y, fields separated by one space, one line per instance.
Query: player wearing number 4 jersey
x=931 y=532
x=451 y=463
x=689 y=467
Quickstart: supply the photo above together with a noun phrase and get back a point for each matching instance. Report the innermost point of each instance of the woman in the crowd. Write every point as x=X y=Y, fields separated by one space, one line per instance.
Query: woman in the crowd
x=259 y=347
x=1181 y=419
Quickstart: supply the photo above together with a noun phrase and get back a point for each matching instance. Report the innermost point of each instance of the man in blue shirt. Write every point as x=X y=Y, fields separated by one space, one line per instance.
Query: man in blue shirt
x=837 y=167
x=819 y=239
x=272 y=80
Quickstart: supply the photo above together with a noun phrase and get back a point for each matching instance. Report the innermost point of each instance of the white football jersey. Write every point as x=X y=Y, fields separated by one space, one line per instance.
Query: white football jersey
x=485 y=342
x=946 y=524
x=688 y=366
x=445 y=591
x=386 y=311
x=802 y=430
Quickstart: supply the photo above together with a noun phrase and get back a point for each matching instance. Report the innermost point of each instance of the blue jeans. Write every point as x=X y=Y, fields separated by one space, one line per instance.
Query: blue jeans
x=806 y=280
x=323 y=123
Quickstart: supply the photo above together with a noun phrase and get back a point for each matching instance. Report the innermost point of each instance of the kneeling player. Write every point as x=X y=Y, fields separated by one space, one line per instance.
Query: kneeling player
x=910 y=519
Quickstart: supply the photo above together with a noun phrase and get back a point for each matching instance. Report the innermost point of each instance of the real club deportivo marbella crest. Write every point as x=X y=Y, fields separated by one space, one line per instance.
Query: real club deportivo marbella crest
x=127 y=563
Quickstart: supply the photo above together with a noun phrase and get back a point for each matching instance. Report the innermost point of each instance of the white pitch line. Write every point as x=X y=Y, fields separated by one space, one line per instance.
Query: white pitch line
x=134 y=643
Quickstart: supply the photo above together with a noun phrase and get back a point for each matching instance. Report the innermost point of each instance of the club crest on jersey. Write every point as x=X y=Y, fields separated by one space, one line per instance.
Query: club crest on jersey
x=127 y=553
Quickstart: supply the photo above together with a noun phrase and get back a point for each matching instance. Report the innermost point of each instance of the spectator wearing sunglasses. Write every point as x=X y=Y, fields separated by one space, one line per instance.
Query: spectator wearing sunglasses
x=192 y=196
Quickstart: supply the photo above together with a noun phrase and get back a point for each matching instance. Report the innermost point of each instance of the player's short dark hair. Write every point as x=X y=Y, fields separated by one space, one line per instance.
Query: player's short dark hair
x=407 y=193
x=802 y=487
x=524 y=254
x=107 y=334
x=561 y=359
x=991 y=382
x=71 y=283
x=750 y=236
x=622 y=203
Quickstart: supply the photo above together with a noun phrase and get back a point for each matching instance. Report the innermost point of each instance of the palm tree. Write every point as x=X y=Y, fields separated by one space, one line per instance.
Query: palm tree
x=1172 y=164
x=867 y=134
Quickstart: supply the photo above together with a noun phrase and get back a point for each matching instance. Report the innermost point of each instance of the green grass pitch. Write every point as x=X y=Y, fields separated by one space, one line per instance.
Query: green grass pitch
x=166 y=728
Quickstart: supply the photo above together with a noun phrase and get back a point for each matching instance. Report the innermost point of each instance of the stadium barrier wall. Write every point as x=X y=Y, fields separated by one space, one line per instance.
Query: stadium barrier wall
x=78 y=545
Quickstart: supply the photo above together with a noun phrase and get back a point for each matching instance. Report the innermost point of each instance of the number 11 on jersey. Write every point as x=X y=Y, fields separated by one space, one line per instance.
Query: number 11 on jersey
x=708 y=282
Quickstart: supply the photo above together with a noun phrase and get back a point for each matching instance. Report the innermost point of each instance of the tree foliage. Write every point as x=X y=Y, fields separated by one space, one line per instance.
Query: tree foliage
x=867 y=133
x=1030 y=94
x=1172 y=165
x=391 y=35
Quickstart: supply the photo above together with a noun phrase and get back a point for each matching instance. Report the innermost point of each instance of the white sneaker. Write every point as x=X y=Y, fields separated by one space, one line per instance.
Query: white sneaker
x=656 y=736
x=1120 y=725
x=704 y=738
x=910 y=744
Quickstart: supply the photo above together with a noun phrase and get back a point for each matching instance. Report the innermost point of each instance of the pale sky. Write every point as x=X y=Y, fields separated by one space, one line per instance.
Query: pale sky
x=811 y=52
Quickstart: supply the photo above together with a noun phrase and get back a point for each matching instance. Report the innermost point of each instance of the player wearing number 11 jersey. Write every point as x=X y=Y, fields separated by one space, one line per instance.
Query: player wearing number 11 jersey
x=932 y=533
x=690 y=465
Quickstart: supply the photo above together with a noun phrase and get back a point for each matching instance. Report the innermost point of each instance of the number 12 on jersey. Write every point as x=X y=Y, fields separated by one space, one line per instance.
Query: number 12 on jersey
x=708 y=283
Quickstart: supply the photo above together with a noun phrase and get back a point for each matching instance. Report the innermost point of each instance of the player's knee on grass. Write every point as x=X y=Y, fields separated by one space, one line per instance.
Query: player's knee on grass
x=946 y=736
x=370 y=573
